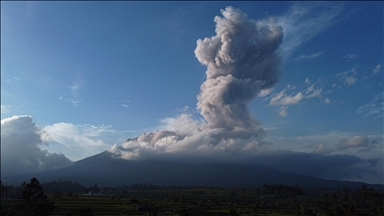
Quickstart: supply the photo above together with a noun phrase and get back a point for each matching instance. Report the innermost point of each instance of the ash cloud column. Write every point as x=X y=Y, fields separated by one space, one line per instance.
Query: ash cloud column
x=242 y=59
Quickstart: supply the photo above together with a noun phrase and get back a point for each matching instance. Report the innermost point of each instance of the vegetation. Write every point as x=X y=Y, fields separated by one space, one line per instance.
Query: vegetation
x=68 y=198
x=32 y=201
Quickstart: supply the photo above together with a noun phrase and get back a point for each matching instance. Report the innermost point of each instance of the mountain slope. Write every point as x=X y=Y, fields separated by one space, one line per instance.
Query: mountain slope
x=105 y=170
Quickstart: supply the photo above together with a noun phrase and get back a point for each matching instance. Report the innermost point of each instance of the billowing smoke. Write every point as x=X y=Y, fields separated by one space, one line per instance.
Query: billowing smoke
x=242 y=59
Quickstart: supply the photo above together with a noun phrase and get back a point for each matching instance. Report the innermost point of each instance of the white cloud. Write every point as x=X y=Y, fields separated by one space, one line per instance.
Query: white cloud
x=312 y=92
x=327 y=101
x=13 y=80
x=283 y=111
x=307 y=81
x=124 y=103
x=350 y=80
x=265 y=92
x=374 y=108
x=6 y=109
x=353 y=142
x=311 y=56
x=282 y=99
x=320 y=149
x=377 y=69
x=348 y=77
x=74 y=102
x=351 y=56
x=363 y=145
x=80 y=141
x=77 y=84
x=305 y=20
x=22 y=148
x=74 y=87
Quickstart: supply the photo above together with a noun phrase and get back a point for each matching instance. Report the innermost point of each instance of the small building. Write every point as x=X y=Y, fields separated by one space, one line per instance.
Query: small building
x=135 y=201
x=151 y=210
x=11 y=196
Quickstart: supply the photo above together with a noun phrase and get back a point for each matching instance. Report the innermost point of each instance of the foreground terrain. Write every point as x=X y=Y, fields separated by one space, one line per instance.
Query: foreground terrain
x=143 y=199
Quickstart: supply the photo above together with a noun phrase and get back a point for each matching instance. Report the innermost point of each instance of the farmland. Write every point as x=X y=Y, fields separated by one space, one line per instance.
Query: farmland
x=268 y=200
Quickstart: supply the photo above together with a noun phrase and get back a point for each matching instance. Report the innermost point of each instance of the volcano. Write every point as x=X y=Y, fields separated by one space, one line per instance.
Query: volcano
x=105 y=169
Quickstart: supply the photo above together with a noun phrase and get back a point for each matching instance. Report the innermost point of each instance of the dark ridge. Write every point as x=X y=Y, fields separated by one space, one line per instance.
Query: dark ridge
x=106 y=170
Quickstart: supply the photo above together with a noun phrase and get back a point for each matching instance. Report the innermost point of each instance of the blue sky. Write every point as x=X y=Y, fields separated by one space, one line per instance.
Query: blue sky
x=92 y=74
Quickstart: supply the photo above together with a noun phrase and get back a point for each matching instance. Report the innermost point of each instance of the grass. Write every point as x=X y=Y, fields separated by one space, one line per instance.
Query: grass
x=170 y=202
x=106 y=205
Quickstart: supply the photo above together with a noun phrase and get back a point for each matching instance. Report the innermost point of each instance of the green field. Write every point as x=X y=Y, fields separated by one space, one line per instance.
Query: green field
x=205 y=201
x=170 y=202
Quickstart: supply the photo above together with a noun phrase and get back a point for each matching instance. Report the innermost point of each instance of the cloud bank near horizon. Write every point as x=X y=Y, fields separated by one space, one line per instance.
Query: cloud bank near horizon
x=21 y=148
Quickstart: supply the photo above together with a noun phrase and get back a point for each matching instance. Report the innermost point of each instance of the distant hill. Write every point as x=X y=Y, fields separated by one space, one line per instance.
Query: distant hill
x=105 y=170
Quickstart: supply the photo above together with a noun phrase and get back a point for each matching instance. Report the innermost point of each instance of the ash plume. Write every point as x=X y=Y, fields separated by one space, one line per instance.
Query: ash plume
x=242 y=59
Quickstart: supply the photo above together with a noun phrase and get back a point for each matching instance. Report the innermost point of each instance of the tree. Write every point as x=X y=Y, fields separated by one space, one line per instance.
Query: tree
x=3 y=188
x=95 y=189
x=35 y=201
x=57 y=195
x=184 y=212
x=85 y=212
x=233 y=212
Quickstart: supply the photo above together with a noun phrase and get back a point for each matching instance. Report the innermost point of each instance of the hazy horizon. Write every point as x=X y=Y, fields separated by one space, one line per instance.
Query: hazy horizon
x=293 y=86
